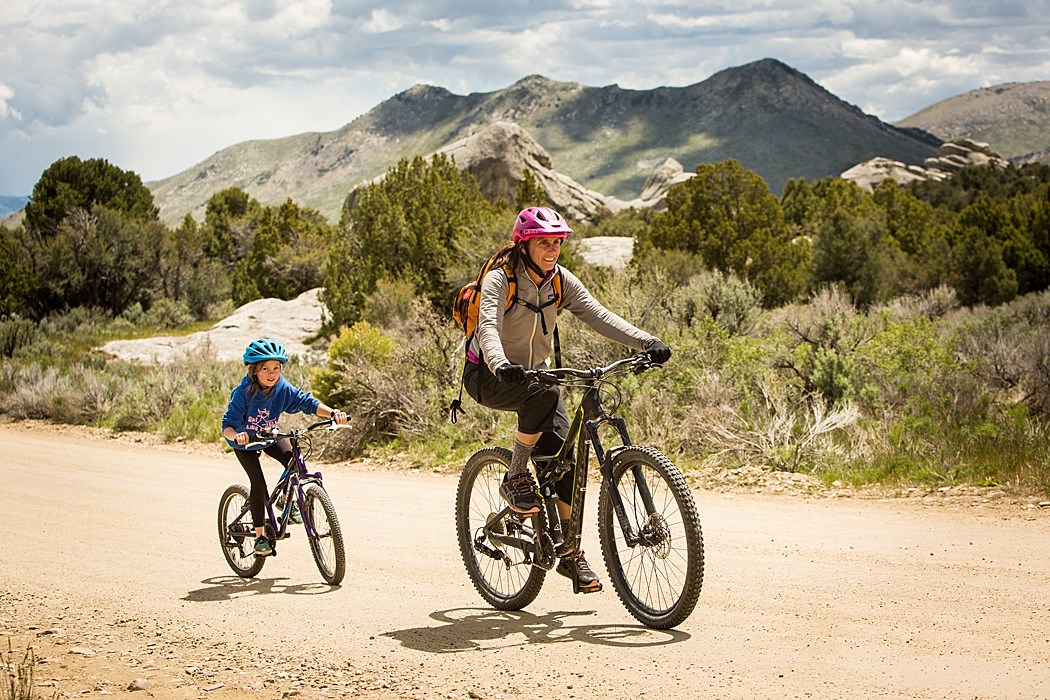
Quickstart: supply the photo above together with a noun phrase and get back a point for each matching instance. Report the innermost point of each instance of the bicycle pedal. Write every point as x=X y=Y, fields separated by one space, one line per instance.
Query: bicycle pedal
x=596 y=588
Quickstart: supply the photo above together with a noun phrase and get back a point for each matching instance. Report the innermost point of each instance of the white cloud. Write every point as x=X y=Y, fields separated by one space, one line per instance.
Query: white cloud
x=158 y=85
x=382 y=21
x=6 y=110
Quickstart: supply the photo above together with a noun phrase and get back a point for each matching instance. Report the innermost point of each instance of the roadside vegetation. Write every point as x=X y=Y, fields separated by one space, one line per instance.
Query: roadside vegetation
x=17 y=675
x=894 y=338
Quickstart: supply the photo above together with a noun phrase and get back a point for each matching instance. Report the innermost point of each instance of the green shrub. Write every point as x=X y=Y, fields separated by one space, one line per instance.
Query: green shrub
x=17 y=676
x=16 y=334
x=390 y=305
x=199 y=420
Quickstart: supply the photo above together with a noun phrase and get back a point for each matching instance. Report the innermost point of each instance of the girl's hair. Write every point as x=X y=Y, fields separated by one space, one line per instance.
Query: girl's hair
x=254 y=387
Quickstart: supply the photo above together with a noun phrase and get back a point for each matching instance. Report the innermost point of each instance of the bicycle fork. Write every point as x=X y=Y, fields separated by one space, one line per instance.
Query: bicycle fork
x=648 y=536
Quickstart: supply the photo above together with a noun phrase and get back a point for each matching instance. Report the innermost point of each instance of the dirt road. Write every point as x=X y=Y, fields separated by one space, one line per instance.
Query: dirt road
x=111 y=570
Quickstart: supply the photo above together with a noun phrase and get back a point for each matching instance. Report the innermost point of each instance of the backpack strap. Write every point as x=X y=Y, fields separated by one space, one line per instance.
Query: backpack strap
x=556 y=285
x=456 y=407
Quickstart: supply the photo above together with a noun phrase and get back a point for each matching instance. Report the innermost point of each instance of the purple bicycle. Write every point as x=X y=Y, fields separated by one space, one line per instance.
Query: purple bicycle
x=297 y=488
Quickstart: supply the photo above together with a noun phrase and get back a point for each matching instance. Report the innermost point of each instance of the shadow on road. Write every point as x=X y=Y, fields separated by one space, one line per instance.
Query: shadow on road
x=230 y=587
x=466 y=629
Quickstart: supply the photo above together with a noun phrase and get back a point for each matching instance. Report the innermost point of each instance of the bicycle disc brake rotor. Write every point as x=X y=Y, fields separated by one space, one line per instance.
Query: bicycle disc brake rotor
x=657 y=536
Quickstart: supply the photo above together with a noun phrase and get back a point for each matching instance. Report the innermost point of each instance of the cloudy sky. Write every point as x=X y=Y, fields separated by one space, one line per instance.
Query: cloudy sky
x=156 y=86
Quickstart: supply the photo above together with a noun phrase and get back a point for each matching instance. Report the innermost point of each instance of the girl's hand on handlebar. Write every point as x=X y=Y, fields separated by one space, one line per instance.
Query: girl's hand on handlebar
x=339 y=416
x=241 y=438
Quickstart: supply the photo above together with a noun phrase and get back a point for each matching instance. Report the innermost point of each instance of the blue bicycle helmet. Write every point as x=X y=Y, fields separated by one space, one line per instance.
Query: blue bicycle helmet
x=265 y=349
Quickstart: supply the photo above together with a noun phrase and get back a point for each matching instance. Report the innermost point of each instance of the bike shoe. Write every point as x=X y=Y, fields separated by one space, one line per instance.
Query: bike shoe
x=262 y=547
x=294 y=516
x=575 y=567
x=519 y=491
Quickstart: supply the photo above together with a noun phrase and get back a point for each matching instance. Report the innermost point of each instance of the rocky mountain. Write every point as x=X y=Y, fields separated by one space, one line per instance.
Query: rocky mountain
x=497 y=155
x=1012 y=118
x=951 y=157
x=609 y=140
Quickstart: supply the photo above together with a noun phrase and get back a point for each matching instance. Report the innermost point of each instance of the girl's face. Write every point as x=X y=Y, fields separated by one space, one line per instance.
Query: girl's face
x=268 y=373
x=544 y=251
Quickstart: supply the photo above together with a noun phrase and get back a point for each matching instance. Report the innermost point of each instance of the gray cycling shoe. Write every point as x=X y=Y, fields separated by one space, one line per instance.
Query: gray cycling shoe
x=519 y=491
x=576 y=568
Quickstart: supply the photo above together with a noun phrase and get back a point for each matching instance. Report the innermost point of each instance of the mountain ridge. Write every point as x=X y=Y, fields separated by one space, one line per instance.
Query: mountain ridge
x=768 y=116
x=1013 y=117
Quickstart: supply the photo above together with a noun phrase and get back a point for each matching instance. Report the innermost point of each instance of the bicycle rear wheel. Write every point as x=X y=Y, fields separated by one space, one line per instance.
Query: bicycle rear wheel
x=659 y=579
x=326 y=544
x=498 y=571
x=236 y=534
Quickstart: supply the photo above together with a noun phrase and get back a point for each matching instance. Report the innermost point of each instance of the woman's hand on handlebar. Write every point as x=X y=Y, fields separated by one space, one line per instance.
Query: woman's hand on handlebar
x=658 y=352
x=339 y=417
x=510 y=373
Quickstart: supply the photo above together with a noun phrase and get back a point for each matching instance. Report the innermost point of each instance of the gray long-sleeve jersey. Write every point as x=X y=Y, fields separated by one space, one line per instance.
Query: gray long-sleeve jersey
x=517 y=336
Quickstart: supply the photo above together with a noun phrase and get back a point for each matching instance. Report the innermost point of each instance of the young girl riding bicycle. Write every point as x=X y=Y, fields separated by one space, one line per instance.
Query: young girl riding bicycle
x=256 y=404
x=510 y=341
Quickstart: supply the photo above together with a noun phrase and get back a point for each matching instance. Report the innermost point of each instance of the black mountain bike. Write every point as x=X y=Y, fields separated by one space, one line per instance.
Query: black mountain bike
x=297 y=486
x=648 y=525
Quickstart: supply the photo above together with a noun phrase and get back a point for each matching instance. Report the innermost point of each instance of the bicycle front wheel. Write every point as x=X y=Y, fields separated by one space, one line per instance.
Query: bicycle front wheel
x=658 y=578
x=326 y=543
x=499 y=572
x=236 y=534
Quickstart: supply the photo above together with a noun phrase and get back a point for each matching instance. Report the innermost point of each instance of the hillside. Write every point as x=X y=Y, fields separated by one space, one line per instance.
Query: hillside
x=771 y=118
x=1013 y=118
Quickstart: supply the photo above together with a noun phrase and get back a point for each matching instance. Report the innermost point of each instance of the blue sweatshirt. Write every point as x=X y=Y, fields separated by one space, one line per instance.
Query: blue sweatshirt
x=255 y=412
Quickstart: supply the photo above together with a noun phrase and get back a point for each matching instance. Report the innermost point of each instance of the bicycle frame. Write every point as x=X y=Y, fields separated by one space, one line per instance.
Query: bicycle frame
x=583 y=436
x=291 y=484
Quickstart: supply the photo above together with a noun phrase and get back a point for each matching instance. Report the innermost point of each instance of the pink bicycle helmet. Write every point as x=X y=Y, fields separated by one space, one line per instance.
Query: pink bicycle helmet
x=535 y=222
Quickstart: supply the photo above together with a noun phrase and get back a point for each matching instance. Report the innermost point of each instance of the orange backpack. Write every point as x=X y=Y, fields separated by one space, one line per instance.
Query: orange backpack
x=465 y=312
x=468 y=300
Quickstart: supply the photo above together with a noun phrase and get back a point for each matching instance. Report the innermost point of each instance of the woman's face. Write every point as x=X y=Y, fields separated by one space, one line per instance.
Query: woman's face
x=544 y=251
x=268 y=373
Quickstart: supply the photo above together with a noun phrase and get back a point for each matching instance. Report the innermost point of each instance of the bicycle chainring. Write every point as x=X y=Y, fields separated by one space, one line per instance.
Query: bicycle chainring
x=545 y=555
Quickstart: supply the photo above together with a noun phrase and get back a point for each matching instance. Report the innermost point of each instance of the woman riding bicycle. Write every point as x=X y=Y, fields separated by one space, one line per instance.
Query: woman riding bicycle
x=509 y=342
x=256 y=404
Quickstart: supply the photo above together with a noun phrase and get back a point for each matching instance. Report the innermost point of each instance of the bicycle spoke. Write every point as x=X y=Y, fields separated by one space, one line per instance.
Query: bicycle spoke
x=236 y=534
x=326 y=536
x=659 y=578
x=498 y=570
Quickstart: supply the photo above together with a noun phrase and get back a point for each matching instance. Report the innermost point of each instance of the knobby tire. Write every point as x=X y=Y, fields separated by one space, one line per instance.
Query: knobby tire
x=659 y=582
x=239 y=551
x=327 y=542
x=477 y=501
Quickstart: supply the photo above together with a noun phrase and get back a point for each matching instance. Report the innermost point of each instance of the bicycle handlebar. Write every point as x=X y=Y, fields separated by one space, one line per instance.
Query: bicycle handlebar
x=636 y=363
x=264 y=438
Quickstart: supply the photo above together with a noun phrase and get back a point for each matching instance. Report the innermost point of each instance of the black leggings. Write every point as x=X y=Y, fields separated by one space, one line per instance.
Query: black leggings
x=539 y=407
x=281 y=450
